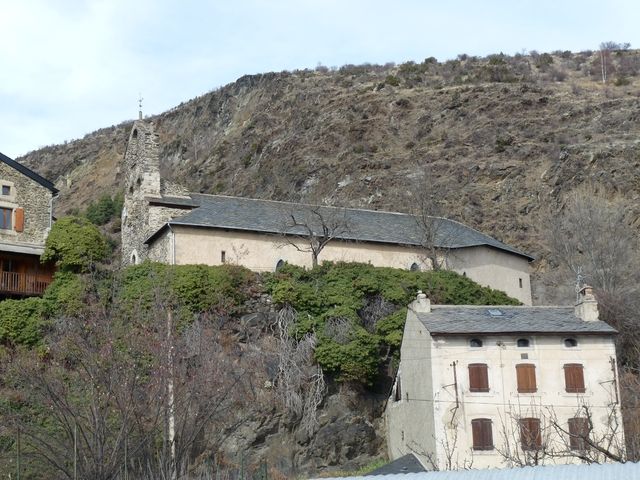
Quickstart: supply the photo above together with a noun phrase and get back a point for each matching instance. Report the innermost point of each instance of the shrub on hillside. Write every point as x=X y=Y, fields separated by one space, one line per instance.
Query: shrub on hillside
x=75 y=244
x=104 y=209
x=22 y=321
x=369 y=305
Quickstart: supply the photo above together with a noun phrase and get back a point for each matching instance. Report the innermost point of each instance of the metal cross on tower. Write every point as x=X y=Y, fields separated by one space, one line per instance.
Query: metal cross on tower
x=140 y=106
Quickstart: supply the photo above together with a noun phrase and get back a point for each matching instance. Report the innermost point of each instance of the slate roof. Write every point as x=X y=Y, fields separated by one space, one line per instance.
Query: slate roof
x=457 y=320
x=406 y=464
x=28 y=172
x=268 y=216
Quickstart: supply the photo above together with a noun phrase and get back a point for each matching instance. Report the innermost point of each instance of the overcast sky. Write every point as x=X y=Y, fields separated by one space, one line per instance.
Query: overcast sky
x=70 y=67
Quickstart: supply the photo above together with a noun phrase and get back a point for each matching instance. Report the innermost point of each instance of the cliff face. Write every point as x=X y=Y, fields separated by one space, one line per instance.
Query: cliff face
x=502 y=139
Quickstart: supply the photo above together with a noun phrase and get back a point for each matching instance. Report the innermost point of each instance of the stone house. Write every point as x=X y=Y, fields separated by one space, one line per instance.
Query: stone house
x=166 y=223
x=26 y=205
x=487 y=386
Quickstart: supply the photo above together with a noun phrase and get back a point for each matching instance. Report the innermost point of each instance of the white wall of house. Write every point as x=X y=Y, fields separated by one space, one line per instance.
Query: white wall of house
x=429 y=424
x=494 y=268
x=262 y=252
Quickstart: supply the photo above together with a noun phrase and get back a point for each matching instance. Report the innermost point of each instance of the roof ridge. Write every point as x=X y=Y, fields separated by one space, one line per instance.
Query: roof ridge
x=26 y=171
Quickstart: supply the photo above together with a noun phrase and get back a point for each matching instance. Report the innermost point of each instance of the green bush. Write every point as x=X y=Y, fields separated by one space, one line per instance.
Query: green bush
x=22 y=322
x=75 y=245
x=65 y=295
x=104 y=209
x=341 y=291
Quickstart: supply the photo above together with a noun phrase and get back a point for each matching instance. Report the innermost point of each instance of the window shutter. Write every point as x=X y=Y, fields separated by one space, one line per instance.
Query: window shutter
x=578 y=432
x=530 y=436
x=482 y=434
x=526 y=377
x=574 y=378
x=478 y=377
x=19 y=226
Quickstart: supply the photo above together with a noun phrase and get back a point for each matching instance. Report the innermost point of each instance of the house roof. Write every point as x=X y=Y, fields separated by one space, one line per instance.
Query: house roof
x=268 y=216
x=28 y=172
x=459 y=320
x=405 y=464
x=606 y=471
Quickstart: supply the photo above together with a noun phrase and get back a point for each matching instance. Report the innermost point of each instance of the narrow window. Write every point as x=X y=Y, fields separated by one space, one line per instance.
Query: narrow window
x=478 y=377
x=530 y=433
x=526 y=376
x=520 y=282
x=523 y=343
x=6 y=190
x=464 y=274
x=475 y=343
x=414 y=267
x=482 y=434
x=578 y=433
x=223 y=256
x=570 y=342
x=279 y=265
x=398 y=396
x=574 y=378
x=5 y=218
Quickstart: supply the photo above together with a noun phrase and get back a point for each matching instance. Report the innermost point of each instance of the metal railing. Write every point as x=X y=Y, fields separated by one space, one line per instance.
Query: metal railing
x=22 y=283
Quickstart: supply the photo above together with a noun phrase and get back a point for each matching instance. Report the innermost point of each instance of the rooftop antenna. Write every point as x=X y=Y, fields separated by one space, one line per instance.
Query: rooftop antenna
x=140 y=106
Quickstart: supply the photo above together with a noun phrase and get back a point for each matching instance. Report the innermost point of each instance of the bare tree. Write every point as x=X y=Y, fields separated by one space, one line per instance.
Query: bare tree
x=300 y=381
x=433 y=228
x=309 y=229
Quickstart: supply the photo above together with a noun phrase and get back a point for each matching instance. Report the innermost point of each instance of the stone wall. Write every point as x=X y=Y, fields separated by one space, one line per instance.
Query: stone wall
x=29 y=195
x=142 y=182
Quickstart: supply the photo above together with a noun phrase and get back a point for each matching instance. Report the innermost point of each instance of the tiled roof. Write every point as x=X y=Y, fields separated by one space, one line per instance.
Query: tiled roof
x=28 y=172
x=236 y=213
x=453 y=320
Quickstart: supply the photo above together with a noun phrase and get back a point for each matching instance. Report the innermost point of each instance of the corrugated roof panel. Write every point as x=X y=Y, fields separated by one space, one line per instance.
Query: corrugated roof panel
x=608 y=471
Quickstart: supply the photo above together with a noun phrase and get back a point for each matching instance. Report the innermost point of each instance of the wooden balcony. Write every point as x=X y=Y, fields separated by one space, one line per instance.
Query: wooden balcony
x=13 y=283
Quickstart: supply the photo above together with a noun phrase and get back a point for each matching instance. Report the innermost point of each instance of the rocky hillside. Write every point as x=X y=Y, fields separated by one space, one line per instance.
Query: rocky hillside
x=502 y=139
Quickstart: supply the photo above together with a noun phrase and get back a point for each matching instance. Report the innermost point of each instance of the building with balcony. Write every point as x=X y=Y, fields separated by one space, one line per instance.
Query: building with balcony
x=26 y=215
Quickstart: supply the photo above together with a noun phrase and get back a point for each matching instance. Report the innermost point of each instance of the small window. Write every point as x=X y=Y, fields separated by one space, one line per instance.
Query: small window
x=414 y=267
x=464 y=274
x=223 y=256
x=5 y=218
x=520 y=282
x=530 y=434
x=279 y=265
x=482 y=434
x=6 y=190
x=526 y=378
x=478 y=377
x=570 y=342
x=475 y=343
x=578 y=433
x=398 y=395
x=574 y=378
x=523 y=343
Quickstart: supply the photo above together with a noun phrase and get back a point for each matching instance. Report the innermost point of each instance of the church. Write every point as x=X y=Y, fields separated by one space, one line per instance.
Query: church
x=166 y=223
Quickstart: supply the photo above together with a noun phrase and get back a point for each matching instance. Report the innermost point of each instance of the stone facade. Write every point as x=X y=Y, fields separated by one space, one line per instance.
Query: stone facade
x=143 y=184
x=35 y=201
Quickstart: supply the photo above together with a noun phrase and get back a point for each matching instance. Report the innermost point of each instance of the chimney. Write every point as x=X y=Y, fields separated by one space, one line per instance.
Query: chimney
x=587 y=306
x=421 y=304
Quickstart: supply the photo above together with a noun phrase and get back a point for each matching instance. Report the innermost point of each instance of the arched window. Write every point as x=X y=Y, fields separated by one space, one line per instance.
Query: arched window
x=134 y=258
x=570 y=342
x=279 y=265
x=134 y=135
x=475 y=343
x=414 y=267
x=523 y=343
